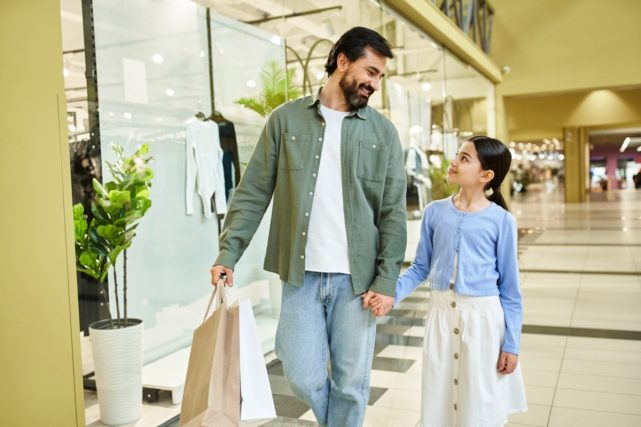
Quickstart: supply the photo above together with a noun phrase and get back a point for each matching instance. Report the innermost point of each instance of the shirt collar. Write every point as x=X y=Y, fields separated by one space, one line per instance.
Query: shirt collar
x=314 y=101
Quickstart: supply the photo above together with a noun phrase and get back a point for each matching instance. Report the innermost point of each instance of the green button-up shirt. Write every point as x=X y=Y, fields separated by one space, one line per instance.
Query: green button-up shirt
x=285 y=164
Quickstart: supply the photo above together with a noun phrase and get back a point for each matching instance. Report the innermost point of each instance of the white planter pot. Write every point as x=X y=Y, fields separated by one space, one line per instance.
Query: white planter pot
x=117 y=356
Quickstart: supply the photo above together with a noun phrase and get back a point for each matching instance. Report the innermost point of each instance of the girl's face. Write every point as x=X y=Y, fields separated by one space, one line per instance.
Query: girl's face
x=466 y=170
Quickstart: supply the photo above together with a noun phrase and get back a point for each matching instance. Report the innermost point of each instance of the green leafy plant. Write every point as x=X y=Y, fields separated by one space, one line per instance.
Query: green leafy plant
x=117 y=209
x=277 y=87
x=440 y=187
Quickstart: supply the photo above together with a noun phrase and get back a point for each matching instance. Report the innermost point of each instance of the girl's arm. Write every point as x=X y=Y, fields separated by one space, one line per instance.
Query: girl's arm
x=508 y=283
x=420 y=268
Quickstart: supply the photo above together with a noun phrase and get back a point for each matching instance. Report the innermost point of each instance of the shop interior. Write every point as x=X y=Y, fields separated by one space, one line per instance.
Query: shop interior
x=615 y=159
x=537 y=166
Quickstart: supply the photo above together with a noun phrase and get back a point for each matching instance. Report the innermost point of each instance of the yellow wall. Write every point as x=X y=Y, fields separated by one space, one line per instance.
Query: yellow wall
x=553 y=45
x=532 y=118
x=39 y=360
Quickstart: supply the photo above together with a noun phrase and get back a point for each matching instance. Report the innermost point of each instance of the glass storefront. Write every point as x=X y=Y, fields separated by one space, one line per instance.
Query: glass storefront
x=154 y=61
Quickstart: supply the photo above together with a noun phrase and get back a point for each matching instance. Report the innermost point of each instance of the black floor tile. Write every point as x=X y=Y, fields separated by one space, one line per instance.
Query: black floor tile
x=289 y=406
x=392 y=364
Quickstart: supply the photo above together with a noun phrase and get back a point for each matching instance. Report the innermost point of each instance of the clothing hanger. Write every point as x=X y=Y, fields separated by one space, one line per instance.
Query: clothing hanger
x=201 y=116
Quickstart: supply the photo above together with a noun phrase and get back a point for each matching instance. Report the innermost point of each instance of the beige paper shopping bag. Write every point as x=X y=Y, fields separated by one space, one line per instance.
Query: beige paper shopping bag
x=212 y=389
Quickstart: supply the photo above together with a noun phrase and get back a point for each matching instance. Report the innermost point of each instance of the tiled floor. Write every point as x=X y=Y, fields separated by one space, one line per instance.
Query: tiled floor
x=581 y=347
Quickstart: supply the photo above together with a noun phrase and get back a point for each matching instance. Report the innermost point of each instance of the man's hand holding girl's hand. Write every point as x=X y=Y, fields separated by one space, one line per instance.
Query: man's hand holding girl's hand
x=378 y=304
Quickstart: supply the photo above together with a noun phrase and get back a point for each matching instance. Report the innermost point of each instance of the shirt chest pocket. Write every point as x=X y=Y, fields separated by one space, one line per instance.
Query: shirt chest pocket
x=372 y=161
x=292 y=147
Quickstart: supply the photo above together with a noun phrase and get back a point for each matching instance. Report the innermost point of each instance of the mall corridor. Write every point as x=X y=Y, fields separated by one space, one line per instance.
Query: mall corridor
x=581 y=345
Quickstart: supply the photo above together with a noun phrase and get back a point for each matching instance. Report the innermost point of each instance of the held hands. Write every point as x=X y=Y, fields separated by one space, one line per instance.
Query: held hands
x=507 y=363
x=378 y=304
x=218 y=270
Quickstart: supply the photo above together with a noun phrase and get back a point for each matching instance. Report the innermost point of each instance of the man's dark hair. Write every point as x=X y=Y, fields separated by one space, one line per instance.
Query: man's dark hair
x=353 y=43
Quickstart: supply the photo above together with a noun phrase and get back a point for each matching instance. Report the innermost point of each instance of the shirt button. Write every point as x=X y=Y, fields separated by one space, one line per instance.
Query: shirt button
x=306 y=213
x=456 y=356
x=455 y=407
x=302 y=257
x=453 y=304
x=317 y=156
x=311 y=193
x=303 y=233
x=455 y=381
x=320 y=139
x=293 y=138
x=374 y=146
x=322 y=123
x=456 y=331
x=314 y=175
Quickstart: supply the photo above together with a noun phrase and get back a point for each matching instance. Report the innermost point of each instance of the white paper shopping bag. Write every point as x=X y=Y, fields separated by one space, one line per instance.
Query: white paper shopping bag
x=257 y=402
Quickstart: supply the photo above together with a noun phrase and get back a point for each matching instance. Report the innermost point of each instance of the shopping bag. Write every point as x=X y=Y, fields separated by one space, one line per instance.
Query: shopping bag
x=212 y=388
x=257 y=402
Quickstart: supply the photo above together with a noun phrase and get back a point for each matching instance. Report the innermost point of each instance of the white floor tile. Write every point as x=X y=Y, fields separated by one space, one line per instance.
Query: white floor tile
x=385 y=417
x=600 y=368
x=612 y=356
x=537 y=395
x=603 y=344
x=415 y=331
x=566 y=417
x=537 y=415
x=600 y=383
x=598 y=401
x=400 y=399
x=308 y=416
x=552 y=363
x=539 y=378
x=395 y=380
x=402 y=352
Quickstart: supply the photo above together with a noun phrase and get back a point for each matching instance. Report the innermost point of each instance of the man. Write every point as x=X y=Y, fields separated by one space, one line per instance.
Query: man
x=335 y=169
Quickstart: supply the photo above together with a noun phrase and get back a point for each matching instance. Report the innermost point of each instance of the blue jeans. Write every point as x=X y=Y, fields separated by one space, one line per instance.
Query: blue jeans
x=322 y=320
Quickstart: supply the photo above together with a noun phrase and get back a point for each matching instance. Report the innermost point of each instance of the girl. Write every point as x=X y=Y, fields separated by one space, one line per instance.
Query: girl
x=467 y=247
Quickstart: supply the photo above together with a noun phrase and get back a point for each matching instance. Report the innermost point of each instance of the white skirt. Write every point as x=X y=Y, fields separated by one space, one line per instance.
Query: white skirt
x=460 y=384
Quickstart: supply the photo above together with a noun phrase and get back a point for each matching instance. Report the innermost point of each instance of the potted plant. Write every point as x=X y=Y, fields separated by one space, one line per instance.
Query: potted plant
x=117 y=209
x=277 y=87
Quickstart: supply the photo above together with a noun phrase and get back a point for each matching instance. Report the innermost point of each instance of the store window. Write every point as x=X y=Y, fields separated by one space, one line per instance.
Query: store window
x=160 y=65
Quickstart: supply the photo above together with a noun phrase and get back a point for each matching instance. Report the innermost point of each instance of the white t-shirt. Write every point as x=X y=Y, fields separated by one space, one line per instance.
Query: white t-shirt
x=326 y=249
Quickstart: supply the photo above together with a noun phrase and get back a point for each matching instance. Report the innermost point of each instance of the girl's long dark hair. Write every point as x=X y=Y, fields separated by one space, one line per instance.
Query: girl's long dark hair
x=494 y=156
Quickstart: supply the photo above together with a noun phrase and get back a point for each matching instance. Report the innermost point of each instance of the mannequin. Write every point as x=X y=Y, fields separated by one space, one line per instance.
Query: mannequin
x=416 y=166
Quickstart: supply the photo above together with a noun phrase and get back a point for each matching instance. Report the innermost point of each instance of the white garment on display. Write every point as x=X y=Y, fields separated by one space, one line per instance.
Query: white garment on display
x=326 y=249
x=204 y=167
x=450 y=145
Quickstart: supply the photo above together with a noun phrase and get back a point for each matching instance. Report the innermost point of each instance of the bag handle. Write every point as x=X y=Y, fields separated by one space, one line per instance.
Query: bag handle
x=219 y=295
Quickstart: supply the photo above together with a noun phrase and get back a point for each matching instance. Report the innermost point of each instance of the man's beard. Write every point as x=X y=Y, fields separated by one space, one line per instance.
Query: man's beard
x=351 y=92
